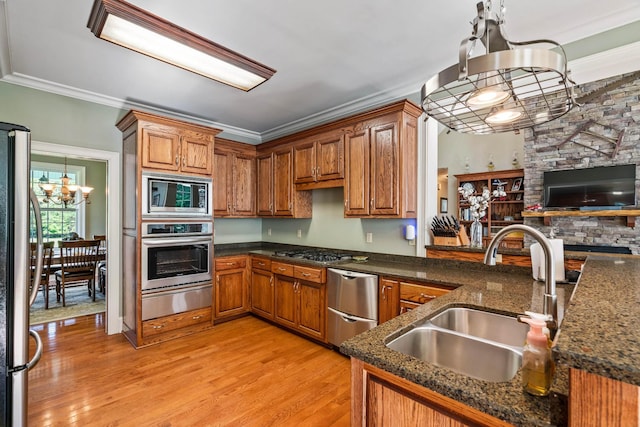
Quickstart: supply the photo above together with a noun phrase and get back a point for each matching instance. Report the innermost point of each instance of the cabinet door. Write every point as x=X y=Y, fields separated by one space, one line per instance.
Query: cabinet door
x=262 y=293
x=286 y=306
x=304 y=162
x=264 y=196
x=222 y=169
x=196 y=155
x=244 y=185
x=356 y=185
x=384 y=170
x=388 y=299
x=230 y=293
x=329 y=157
x=312 y=317
x=160 y=149
x=283 y=182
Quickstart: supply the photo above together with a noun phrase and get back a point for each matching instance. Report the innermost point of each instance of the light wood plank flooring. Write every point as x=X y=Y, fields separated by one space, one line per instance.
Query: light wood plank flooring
x=245 y=372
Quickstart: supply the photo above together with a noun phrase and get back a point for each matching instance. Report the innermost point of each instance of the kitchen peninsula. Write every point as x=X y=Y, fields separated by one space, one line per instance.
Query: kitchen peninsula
x=598 y=311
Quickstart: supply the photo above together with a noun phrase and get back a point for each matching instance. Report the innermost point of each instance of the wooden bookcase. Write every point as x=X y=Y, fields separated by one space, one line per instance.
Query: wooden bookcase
x=502 y=211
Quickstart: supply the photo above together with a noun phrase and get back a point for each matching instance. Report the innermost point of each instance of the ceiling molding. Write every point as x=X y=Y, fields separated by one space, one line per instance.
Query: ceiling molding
x=614 y=62
x=59 y=89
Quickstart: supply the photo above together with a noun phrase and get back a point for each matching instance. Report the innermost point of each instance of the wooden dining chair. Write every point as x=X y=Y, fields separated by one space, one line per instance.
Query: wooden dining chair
x=78 y=263
x=101 y=267
x=47 y=256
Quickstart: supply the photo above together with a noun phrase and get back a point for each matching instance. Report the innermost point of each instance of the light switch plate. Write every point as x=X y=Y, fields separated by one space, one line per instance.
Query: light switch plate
x=369 y=238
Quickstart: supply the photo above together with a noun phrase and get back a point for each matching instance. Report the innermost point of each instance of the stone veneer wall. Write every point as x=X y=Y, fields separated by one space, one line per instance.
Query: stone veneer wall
x=618 y=108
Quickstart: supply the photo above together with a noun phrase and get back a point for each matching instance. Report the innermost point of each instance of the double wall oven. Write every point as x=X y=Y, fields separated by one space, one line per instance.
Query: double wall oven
x=176 y=246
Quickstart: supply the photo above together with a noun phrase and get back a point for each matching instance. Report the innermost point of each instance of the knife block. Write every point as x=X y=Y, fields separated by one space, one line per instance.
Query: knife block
x=461 y=240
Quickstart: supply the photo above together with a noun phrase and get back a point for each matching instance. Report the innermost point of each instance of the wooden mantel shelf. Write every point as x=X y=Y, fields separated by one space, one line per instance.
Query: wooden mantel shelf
x=630 y=214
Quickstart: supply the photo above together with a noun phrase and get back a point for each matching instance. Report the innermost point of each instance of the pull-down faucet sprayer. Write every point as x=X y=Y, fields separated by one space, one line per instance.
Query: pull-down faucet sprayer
x=550 y=305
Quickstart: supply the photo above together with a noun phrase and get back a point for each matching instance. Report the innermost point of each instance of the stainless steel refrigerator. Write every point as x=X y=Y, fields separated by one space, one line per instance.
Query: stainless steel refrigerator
x=15 y=273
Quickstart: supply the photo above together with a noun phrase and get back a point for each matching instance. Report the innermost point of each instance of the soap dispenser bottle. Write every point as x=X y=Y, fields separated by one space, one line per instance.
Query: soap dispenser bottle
x=537 y=365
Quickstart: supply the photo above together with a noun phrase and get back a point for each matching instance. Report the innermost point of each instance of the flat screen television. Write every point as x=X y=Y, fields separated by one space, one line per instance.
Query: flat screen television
x=606 y=187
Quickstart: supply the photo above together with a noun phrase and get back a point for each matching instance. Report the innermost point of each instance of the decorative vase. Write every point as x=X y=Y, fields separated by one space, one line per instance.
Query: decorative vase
x=476 y=233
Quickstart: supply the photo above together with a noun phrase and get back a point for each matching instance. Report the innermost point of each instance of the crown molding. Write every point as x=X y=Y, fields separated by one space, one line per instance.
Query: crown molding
x=72 y=92
x=613 y=62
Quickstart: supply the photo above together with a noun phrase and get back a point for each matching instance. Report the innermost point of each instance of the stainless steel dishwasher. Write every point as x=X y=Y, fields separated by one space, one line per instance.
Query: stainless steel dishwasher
x=352 y=304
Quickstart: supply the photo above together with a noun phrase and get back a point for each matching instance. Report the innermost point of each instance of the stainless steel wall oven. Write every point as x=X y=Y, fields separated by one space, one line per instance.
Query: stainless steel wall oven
x=176 y=267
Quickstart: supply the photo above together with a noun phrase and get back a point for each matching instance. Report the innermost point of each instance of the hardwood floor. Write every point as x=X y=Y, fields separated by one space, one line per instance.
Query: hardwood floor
x=245 y=372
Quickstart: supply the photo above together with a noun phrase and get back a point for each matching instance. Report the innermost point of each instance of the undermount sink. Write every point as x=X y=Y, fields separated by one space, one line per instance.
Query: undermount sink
x=479 y=344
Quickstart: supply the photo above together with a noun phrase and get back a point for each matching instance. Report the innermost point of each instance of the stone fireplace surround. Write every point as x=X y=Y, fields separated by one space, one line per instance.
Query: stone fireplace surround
x=617 y=108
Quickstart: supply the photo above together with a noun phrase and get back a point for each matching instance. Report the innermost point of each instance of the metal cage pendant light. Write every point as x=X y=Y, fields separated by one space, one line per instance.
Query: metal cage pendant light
x=510 y=87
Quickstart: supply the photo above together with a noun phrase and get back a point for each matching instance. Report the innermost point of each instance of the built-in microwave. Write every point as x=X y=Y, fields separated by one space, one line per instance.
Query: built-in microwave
x=176 y=196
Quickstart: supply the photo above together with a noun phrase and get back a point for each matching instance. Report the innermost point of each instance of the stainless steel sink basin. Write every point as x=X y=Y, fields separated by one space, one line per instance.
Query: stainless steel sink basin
x=482 y=324
x=479 y=344
x=463 y=354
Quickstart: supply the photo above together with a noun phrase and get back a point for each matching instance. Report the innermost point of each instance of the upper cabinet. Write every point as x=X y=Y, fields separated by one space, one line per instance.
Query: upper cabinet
x=319 y=161
x=234 y=174
x=276 y=193
x=381 y=164
x=171 y=145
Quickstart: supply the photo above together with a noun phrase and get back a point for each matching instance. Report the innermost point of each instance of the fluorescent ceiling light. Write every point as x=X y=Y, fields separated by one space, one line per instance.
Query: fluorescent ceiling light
x=129 y=26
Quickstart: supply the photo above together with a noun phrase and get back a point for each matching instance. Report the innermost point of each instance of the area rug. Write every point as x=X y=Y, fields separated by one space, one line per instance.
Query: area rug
x=79 y=303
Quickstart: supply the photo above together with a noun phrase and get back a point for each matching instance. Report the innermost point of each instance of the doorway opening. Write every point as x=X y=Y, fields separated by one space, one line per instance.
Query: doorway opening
x=113 y=224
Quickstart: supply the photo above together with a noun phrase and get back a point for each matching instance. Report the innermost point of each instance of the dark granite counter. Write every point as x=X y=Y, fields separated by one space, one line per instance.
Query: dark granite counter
x=598 y=334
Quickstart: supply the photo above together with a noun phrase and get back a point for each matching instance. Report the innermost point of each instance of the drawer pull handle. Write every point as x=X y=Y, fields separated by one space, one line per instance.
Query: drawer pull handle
x=261 y=264
x=281 y=269
x=306 y=274
x=422 y=295
x=158 y=326
x=197 y=317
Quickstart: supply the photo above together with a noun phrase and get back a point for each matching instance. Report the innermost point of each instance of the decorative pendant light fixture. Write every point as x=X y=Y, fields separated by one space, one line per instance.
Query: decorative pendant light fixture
x=129 y=26
x=68 y=191
x=508 y=88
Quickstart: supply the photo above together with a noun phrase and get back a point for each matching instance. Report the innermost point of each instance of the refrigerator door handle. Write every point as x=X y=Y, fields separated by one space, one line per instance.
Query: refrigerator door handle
x=39 y=259
x=39 y=348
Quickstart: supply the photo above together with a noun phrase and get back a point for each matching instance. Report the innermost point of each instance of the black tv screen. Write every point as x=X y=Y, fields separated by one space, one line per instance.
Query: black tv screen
x=603 y=187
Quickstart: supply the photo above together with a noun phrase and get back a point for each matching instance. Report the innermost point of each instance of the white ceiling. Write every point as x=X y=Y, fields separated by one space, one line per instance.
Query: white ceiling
x=332 y=57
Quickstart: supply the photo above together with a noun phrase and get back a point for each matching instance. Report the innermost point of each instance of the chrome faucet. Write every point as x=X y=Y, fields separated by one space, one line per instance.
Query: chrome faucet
x=550 y=305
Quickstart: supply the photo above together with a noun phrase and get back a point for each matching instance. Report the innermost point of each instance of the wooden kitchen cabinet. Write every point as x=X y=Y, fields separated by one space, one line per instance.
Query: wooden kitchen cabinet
x=300 y=298
x=234 y=179
x=262 y=288
x=319 y=161
x=381 y=165
x=277 y=196
x=501 y=212
x=231 y=287
x=174 y=146
x=399 y=296
x=379 y=398
x=151 y=142
x=388 y=299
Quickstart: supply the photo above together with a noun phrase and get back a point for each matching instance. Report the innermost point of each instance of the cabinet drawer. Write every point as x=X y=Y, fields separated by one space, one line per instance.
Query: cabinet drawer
x=281 y=268
x=310 y=274
x=261 y=263
x=421 y=293
x=230 y=263
x=175 y=321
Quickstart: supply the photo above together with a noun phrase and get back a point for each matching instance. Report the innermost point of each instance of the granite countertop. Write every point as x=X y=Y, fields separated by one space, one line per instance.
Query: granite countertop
x=598 y=333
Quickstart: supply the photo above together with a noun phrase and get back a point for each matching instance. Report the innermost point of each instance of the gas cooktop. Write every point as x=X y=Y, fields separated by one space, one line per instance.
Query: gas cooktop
x=319 y=256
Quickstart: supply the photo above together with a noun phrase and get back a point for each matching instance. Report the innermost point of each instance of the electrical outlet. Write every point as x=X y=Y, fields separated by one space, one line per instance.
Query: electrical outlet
x=498 y=258
x=412 y=242
x=299 y=234
x=369 y=238
x=268 y=232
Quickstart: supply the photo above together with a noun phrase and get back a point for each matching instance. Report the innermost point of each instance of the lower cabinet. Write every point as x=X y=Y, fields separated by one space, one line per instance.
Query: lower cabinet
x=231 y=287
x=399 y=296
x=379 y=398
x=262 y=292
x=300 y=299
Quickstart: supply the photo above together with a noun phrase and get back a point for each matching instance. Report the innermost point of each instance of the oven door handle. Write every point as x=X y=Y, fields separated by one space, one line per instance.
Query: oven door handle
x=175 y=290
x=173 y=241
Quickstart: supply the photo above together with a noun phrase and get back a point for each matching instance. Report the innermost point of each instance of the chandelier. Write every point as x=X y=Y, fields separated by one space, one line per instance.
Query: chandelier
x=508 y=88
x=67 y=194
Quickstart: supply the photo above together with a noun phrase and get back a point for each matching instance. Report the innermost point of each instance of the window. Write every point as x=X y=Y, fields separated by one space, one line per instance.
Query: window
x=58 y=221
